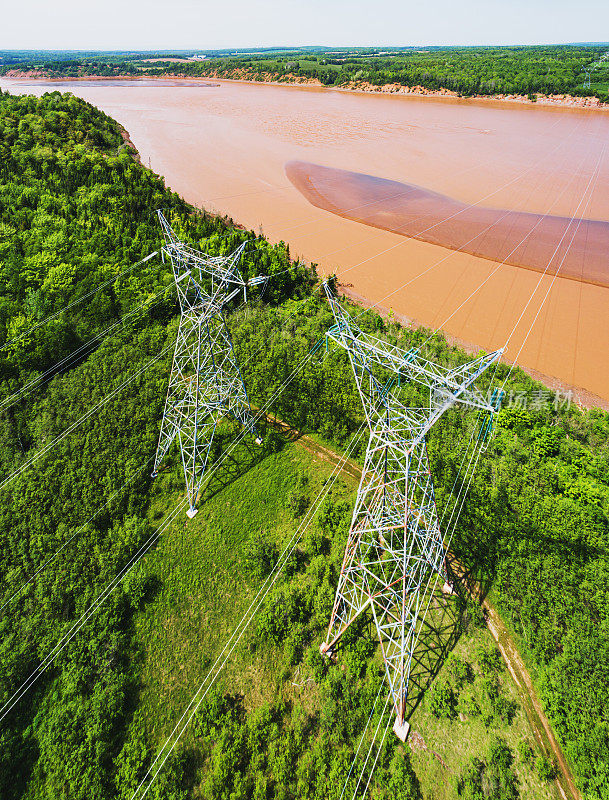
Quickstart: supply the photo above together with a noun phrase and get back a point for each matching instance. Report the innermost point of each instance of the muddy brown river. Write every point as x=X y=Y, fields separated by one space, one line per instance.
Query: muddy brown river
x=509 y=189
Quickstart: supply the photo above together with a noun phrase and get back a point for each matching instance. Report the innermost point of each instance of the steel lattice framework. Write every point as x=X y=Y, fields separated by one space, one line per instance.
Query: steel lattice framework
x=395 y=539
x=205 y=383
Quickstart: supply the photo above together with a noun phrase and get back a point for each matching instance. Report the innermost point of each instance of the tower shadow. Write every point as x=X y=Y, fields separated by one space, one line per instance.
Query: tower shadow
x=440 y=630
x=231 y=464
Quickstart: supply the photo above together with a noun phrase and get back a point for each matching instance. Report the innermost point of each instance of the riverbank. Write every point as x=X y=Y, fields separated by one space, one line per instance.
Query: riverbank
x=527 y=692
x=559 y=101
x=225 y=149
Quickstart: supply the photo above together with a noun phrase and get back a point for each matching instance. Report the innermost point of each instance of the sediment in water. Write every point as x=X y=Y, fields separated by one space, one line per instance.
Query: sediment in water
x=573 y=248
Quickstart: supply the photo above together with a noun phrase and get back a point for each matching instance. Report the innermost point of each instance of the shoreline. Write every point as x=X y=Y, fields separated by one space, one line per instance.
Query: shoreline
x=560 y=102
x=582 y=397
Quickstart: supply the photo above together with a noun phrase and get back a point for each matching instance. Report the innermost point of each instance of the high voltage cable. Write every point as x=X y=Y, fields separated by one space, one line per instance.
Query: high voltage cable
x=401 y=194
x=378 y=752
x=556 y=274
x=359 y=780
x=241 y=630
x=440 y=222
x=49 y=560
x=500 y=264
x=74 y=535
x=449 y=255
x=460 y=249
x=40 y=380
x=370 y=715
x=79 y=300
x=471 y=468
x=26 y=685
x=458 y=505
x=84 y=417
x=273 y=189
x=65 y=640
x=493 y=272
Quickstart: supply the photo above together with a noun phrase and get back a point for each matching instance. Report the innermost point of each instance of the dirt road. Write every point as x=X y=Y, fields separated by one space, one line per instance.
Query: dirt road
x=518 y=670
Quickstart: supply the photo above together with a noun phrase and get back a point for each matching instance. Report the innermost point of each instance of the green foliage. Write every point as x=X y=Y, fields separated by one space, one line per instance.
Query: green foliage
x=77 y=210
x=489 y=660
x=467 y=71
x=261 y=555
x=525 y=71
x=491 y=778
x=525 y=752
x=545 y=769
x=441 y=698
x=459 y=671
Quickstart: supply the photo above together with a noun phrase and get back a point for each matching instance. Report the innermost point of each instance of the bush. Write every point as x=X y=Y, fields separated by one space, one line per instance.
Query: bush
x=525 y=752
x=469 y=705
x=261 y=556
x=298 y=503
x=442 y=703
x=459 y=670
x=489 y=660
x=545 y=769
x=472 y=617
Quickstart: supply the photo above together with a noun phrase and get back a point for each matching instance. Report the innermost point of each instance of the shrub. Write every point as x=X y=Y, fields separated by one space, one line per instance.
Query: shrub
x=442 y=703
x=489 y=660
x=525 y=752
x=261 y=556
x=545 y=769
x=459 y=670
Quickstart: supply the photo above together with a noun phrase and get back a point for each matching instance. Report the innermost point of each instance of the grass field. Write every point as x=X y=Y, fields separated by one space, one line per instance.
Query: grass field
x=202 y=570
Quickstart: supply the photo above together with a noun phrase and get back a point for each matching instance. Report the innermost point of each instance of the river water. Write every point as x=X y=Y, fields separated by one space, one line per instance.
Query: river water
x=226 y=146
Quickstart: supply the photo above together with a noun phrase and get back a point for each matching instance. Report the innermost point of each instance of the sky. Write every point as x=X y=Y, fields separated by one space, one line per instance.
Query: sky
x=188 y=24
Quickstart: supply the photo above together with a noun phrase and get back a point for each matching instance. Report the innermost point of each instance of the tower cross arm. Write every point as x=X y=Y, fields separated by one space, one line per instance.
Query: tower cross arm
x=197 y=268
x=453 y=384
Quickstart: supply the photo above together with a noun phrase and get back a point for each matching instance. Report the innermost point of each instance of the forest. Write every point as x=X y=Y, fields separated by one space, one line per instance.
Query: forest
x=85 y=326
x=467 y=71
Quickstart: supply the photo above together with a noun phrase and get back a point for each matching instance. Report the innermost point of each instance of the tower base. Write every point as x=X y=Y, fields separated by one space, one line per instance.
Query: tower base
x=401 y=729
x=192 y=512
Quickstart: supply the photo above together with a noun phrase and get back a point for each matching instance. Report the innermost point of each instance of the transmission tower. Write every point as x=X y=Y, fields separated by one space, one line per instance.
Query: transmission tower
x=395 y=540
x=205 y=383
x=586 y=84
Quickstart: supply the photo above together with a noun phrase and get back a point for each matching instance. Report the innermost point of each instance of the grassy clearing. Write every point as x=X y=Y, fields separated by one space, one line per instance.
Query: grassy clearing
x=440 y=747
x=204 y=584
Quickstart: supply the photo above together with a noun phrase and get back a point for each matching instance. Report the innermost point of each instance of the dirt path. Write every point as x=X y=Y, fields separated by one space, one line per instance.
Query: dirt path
x=537 y=718
x=518 y=670
x=524 y=684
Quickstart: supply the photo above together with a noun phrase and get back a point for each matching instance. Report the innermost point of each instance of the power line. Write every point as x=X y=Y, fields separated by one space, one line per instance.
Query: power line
x=40 y=380
x=24 y=687
x=79 y=421
x=79 y=300
x=74 y=535
x=241 y=626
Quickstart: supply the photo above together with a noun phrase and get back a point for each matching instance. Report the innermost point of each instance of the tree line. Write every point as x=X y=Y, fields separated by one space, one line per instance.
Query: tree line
x=76 y=210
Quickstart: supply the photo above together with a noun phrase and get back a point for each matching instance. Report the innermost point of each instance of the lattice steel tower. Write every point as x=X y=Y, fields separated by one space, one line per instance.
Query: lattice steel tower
x=394 y=539
x=205 y=383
